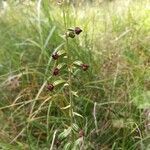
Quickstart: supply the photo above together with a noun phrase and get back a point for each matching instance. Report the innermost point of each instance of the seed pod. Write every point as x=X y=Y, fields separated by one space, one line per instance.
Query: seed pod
x=56 y=71
x=50 y=87
x=55 y=56
x=85 y=67
x=77 y=30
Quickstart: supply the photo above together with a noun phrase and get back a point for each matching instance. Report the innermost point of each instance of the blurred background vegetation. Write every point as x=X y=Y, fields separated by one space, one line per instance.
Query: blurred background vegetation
x=111 y=99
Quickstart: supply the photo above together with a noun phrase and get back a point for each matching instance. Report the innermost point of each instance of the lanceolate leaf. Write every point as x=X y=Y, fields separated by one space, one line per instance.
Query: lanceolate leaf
x=65 y=133
x=58 y=82
x=76 y=114
x=66 y=107
x=78 y=63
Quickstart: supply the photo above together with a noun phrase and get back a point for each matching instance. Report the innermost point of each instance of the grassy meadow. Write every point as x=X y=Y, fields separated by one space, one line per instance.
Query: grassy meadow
x=88 y=92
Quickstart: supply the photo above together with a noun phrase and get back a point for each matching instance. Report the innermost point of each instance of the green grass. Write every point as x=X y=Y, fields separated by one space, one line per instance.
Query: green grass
x=109 y=99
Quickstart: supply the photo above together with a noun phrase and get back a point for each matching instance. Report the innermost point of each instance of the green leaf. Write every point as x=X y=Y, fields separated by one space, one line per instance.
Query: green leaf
x=67 y=146
x=58 y=82
x=78 y=63
x=66 y=84
x=59 y=66
x=76 y=114
x=77 y=143
x=75 y=127
x=61 y=52
x=66 y=107
x=49 y=36
x=65 y=133
x=74 y=93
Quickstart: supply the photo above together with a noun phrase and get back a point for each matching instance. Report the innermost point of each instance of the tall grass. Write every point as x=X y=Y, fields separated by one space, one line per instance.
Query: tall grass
x=109 y=100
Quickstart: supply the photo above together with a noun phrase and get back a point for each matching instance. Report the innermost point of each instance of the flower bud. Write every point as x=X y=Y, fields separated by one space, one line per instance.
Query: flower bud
x=77 y=30
x=56 y=71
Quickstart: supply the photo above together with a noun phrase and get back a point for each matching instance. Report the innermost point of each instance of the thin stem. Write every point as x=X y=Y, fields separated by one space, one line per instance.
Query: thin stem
x=70 y=82
x=65 y=12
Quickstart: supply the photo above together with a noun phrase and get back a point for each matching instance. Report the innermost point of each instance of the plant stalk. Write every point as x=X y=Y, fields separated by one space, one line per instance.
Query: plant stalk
x=65 y=12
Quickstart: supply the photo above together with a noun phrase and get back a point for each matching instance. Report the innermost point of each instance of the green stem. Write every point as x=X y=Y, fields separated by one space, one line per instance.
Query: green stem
x=69 y=67
x=70 y=82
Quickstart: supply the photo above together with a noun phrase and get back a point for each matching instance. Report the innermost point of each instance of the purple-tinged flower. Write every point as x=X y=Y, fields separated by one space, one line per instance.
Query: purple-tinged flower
x=77 y=30
x=50 y=87
x=85 y=67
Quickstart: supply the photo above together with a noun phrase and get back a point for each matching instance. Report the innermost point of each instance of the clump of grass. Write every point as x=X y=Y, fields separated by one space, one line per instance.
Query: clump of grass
x=55 y=103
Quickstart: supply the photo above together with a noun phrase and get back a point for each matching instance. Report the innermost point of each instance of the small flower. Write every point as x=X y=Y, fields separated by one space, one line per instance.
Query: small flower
x=50 y=87
x=77 y=30
x=85 y=67
x=70 y=34
x=57 y=143
x=81 y=133
x=55 y=56
x=56 y=71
